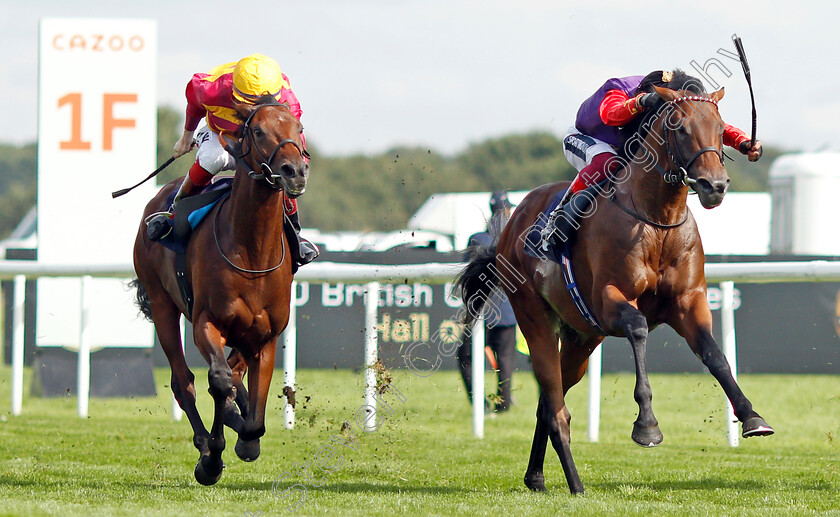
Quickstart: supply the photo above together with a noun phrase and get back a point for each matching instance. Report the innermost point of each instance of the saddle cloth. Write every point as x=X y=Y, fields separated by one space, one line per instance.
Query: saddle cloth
x=191 y=211
x=562 y=256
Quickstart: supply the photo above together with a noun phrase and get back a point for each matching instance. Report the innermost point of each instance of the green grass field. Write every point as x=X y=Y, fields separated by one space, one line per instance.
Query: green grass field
x=129 y=457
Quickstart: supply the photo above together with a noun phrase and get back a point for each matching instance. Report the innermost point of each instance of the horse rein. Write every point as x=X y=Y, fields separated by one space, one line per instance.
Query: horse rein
x=265 y=168
x=230 y=263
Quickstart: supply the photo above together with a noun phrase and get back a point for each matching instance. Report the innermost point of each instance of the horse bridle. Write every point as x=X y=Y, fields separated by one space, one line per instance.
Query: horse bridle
x=680 y=176
x=264 y=162
x=266 y=174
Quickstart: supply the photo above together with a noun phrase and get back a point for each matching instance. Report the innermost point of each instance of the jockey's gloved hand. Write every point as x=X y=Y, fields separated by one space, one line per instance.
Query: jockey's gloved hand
x=753 y=153
x=647 y=100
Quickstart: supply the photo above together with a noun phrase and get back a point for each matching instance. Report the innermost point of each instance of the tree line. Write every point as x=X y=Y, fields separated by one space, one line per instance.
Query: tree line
x=374 y=192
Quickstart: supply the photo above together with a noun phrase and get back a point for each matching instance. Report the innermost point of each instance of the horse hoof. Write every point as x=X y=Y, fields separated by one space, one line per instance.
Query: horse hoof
x=647 y=436
x=576 y=490
x=756 y=426
x=207 y=475
x=247 y=450
x=535 y=482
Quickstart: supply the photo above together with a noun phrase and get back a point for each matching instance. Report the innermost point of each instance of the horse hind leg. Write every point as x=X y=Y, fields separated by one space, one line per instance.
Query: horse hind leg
x=534 y=477
x=554 y=425
x=553 y=418
x=573 y=360
x=166 y=317
x=557 y=420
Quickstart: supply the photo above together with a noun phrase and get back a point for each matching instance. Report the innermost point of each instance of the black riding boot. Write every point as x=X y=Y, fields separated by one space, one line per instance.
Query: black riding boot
x=159 y=225
x=565 y=219
x=307 y=251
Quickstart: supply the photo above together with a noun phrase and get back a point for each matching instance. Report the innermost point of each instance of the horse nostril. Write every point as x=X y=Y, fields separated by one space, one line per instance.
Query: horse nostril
x=713 y=187
x=288 y=170
x=704 y=184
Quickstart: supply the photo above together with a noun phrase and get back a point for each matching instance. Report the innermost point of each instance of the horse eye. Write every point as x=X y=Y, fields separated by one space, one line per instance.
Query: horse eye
x=257 y=131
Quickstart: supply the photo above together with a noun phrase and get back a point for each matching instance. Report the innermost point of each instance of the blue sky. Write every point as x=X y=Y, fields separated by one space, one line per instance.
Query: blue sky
x=443 y=74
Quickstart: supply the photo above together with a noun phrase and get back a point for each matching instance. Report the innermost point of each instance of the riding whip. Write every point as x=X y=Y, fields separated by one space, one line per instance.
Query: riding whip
x=150 y=176
x=746 y=66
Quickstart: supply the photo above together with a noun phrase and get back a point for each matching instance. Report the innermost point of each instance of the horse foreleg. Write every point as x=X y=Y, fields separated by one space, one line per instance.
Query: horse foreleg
x=695 y=325
x=621 y=314
x=236 y=410
x=260 y=370
x=211 y=343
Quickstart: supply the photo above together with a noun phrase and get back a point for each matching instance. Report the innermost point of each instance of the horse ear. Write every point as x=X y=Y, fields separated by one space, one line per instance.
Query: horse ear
x=717 y=96
x=243 y=109
x=666 y=93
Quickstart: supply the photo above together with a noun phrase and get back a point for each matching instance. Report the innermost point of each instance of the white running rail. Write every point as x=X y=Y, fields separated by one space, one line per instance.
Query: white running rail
x=375 y=275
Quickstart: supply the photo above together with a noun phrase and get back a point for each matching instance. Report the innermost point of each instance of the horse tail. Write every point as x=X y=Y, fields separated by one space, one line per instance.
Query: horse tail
x=477 y=280
x=142 y=298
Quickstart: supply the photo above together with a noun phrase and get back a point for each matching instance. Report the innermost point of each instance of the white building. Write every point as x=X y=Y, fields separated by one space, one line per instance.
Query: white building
x=740 y=226
x=804 y=187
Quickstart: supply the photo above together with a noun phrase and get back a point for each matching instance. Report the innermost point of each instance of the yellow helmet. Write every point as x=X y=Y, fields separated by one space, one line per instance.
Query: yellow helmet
x=255 y=76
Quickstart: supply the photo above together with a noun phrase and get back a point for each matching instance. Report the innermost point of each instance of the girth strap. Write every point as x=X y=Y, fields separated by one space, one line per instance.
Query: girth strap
x=183 y=283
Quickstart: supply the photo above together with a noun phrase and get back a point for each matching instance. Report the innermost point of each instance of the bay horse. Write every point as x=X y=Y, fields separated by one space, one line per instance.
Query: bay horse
x=240 y=268
x=638 y=262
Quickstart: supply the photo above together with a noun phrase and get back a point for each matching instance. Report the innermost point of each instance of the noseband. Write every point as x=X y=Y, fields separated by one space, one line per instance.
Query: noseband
x=265 y=168
x=680 y=176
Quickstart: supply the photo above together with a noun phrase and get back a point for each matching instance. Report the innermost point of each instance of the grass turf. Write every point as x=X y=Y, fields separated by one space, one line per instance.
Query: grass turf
x=130 y=458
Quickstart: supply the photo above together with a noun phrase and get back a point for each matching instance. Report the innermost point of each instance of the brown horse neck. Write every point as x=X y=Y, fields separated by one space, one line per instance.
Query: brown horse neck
x=648 y=194
x=254 y=228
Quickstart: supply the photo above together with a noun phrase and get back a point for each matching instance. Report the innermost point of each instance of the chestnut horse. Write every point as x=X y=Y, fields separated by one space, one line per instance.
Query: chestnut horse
x=638 y=261
x=240 y=268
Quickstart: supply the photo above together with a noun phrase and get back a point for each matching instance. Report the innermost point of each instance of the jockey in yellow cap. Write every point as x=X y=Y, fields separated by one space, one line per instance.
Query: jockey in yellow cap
x=212 y=97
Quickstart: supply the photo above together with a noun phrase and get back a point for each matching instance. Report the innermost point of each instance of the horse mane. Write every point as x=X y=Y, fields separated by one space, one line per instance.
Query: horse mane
x=679 y=81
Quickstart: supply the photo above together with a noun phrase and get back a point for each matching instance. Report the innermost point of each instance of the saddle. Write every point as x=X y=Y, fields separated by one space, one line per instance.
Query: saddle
x=190 y=212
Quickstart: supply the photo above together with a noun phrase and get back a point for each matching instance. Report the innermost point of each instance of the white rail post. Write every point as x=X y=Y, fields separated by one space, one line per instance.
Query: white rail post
x=177 y=412
x=290 y=357
x=17 y=343
x=727 y=327
x=83 y=367
x=371 y=353
x=478 y=377
x=594 y=372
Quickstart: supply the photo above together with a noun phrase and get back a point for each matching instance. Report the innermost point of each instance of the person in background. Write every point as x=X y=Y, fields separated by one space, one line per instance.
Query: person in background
x=500 y=325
